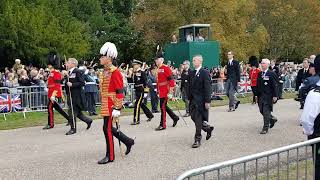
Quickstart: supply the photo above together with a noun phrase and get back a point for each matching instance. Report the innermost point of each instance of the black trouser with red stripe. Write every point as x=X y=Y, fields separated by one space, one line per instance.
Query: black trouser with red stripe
x=57 y=107
x=140 y=104
x=164 y=110
x=110 y=131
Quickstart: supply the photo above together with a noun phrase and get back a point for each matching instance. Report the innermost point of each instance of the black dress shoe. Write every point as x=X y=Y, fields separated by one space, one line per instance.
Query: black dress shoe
x=237 y=104
x=156 y=111
x=68 y=124
x=196 y=144
x=186 y=115
x=272 y=123
x=129 y=148
x=149 y=119
x=104 y=160
x=175 y=121
x=135 y=123
x=160 y=128
x=47 y=127
x=231 y=110
x=89 y=125
x=72 y=131
x=209 y=133
x=264 y=131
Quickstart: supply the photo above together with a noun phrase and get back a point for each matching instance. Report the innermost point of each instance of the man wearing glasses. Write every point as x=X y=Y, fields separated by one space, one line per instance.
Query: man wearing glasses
x=233 y=79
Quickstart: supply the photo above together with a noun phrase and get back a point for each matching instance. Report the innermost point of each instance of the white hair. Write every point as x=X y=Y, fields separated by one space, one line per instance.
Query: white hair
x=17 y=60
x=73 y=61
x=266 y=61
x=186 y=62
x=198 y=57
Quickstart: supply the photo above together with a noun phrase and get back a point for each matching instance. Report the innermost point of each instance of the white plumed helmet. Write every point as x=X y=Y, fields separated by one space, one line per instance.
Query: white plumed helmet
x=109 y=50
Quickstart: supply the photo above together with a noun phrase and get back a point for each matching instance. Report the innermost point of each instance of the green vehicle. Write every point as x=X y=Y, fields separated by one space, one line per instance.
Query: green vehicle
x=192 y=42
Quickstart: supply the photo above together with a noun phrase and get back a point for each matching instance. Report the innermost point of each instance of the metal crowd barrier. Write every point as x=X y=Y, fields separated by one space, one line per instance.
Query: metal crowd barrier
x=290 y=162
x=35 y=98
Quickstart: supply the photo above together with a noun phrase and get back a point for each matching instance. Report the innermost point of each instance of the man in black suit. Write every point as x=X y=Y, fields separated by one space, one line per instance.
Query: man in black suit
x=200 y=100
x=303 y=74
x=75 y=96
x=233 y=79
x=267 y=86
x=185 y=85
x=273 y=67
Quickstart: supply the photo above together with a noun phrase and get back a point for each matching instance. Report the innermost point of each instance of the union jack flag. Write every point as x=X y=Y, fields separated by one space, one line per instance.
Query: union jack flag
x=16 y=103
x=7 y=104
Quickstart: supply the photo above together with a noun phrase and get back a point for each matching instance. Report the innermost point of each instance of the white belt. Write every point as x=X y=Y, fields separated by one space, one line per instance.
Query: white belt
x=154 y=84
x=90 y=83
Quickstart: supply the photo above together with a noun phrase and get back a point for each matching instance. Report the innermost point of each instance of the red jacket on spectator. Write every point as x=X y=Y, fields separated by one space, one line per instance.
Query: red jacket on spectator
x=253 y=75
x=165 y=81
x=54 y=84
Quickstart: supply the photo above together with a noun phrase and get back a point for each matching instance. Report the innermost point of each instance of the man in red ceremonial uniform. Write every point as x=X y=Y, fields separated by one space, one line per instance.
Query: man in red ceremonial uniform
x=165 y=86
x=54 y=89
x=111 y=88
x=253 y=75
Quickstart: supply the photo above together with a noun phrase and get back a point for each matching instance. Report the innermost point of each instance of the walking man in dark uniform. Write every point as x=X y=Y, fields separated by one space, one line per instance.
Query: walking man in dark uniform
x=267 y=88
x=75 y=95
x=141 y=91
x=185 y=86
x=200 y=100
x=233 y=80
x=152 y=84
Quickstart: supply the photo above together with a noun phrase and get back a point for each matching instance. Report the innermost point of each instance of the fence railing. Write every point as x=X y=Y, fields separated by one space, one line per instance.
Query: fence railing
x=290 y=162
x=34 y=98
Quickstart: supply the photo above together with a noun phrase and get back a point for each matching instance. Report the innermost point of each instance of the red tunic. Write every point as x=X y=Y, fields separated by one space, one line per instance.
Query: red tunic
x=54 y=83
x=253 y=74
x=165 y=81
x=111 y=89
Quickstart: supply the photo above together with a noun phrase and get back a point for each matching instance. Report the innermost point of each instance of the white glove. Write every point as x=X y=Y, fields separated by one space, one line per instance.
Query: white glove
x=170 y=96
x=52 y=98
x=115 y=113
x=145 y=95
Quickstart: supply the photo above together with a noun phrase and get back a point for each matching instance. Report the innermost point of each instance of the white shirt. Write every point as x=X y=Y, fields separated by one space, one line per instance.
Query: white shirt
x=230 y=61
x=310 y=111
x=70 y=71
x=189 y=38
x=198 y=69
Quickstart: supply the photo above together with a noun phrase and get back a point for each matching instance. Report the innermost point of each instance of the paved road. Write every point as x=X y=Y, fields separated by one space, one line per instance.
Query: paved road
x=32 y=153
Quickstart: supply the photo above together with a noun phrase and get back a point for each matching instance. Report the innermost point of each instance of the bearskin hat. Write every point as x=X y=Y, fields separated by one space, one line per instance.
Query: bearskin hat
x=253 y=61
x=54 y=60
x=159 y=53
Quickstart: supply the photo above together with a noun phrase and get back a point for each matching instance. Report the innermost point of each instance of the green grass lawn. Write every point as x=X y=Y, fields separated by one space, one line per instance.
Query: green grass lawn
x=16 y=120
